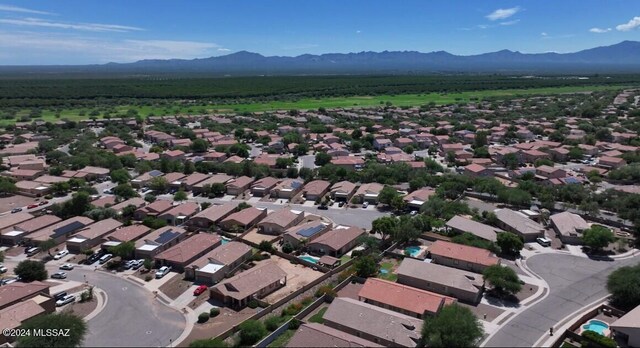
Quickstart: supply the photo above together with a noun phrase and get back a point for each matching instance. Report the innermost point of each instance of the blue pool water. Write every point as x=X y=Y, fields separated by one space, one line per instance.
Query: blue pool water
x=225 y=240
x=384 y=271
x=596 y=326
x=309 y=258
x=414 y=251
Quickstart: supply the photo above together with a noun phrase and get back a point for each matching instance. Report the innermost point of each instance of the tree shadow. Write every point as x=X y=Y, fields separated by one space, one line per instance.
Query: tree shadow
x=502 y=300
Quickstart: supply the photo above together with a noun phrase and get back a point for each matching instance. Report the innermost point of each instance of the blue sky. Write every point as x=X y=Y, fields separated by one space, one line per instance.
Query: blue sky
x=91 y=31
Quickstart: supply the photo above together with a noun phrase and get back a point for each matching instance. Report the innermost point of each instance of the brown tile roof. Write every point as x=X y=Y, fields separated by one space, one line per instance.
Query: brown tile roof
x=476 y=228
x=244 y=216
x=316 y=187
x=34 y=224
x=13 y=316
x=157 y=207
x=439 y=274
x=135 y=201
x=13 y=292
x=249 y=282
x=47 y=232
x=338 y=238
x=266 y=182
x=103 y=201
x=128 y=233
x=98 y=229
x=403 y=296
x=343 y=186
x=184 y=209
x=14 y=219
x=189 y=248
x=240 y=182
x=463 y=253
x=225 y=254
x=282 y=217
x=215 y=212
x=194 y=179
x=309 y=335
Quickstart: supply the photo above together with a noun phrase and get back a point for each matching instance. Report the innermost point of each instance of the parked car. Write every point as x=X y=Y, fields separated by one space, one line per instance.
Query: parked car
x=66 y=267
x=545 y=242
x=60 y=295
x=365 y=205
x=413 y=212
x=9 y=280
x=108 y=191
x=323 y=207
x=341 y=204
x=199 y=290
x=162 y=271
x=31 y=206
x=32 y=251
x=93 y=258
x=60 y=254
x=105 y=258
x=43 y=203
x=16 y=210
x=59 y=275
x=3 y=269
x=137 y=264
x=65 y=300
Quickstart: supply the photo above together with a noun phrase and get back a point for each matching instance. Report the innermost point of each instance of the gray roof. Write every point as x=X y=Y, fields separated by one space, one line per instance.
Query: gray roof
x=518 y=221
x=478 y=229
x=314 y=335
x=569 y=224
x=375 y=321
x=438 y=274
x=629 y=320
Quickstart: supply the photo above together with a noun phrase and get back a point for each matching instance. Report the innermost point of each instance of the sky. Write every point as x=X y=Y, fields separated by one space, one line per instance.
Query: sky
x=95 y=32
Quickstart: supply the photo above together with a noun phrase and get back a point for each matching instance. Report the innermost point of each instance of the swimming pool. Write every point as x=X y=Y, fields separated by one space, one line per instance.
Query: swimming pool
x=596 y=326
x=225 y=240
x=414 y=251
x=309 y=258
x=384 y=271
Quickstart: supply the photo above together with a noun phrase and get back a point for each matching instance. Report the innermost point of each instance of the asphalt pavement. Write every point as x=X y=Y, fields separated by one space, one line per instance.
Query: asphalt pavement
x=574 y=283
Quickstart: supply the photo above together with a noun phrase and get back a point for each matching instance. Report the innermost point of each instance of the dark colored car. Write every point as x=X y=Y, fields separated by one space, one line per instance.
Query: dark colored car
x=60 y=295
x=323 y=207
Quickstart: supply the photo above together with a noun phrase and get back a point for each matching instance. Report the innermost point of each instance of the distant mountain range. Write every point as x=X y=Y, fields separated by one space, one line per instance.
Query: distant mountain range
x=619 y=58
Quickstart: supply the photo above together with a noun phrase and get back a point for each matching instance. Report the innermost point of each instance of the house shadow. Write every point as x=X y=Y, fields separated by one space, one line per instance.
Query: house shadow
x=506 y=301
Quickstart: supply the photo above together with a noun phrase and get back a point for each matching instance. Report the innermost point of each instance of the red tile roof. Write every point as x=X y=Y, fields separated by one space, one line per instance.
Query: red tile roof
x=403 y=296
x=463 y=253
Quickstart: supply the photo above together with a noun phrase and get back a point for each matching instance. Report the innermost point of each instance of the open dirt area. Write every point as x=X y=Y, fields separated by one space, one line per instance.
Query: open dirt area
x=297 y=277
x=255 y=237
x=81 y=309
x=17 y=201
x=215 y=326
x=175 y=287
x=351 y=290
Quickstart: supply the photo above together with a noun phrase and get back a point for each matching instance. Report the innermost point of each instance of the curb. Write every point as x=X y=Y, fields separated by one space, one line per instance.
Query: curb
x=103 y=299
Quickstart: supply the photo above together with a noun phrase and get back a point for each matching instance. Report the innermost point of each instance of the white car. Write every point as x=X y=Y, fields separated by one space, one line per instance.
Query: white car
x=67 y=299
x=60 y=254
x=545 y=242
x=163 y=271
x=365 y=205
x=66 y=267
x=3 y=269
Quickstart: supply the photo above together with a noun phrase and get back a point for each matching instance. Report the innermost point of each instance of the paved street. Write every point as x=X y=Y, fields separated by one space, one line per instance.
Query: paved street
x=574 y=283
x=131 y=317
x=307 y=161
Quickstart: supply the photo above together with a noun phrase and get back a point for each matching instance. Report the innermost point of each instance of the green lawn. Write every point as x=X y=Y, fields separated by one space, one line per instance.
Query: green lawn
x=317 y=318
x=311 y=103
x=389 y=267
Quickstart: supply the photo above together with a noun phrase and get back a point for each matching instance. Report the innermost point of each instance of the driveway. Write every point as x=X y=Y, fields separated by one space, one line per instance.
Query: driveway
x=574 y=282
x=131 y=317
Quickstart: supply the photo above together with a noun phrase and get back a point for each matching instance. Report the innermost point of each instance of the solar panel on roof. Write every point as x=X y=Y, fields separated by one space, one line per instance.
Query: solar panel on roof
x=310 y=231
x=571 y=180
x=155 y=173
x=166 y=236
x=296 y=184
x=60 y=231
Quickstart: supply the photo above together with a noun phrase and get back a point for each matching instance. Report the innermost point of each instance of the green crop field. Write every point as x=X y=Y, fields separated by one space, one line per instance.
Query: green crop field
x=200 y=107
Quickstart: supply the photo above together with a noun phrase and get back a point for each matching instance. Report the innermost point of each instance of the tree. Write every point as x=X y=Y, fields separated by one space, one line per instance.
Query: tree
x=398 y=203
x=453 y=326
x=624 y=286
x=69 y=323
x=283 y=162
x=120 y=176
x=159 y=184
x=251 y=331
x=199 y=145
x=597 y=237
x=154 y=223
x=60 y=188
x=385 y=225
x=510 y=161
x=46 y=245
x=243 y=205
x=575 y=153
x=7 y=187
x=366 y=266
x=125 y=191
x=322 y=158
x=514 y=196
x=180 y=195
x=509 y=243
x=123 y=250
x=503 y=279
x=387 y=194
x=30 y=270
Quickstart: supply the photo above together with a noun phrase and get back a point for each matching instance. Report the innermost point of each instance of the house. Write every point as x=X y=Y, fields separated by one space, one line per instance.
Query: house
x=158 y=241
x=94 y=173
x=627 y=328
x=462 y=224
x=59 y=231
x=237 y=186
x=463 y=285
x=368 y=192
x=32 y=188
x=611 y=162
x=20 y=302
x=568 y=227
x=548 y=172
x=308 y=336
x=13 y=235
x=305 y=232
x=477 y=170
x=154 y=209
x=180 y=213
x=190 y=181
x=463 y=257
x=10 y=220
x=381 y=144
x=342 y=191
x=315 y=190
x=90 y=236
x=403 y=299
x=520 y=224
x=263 y=187
x=218 y=263
x=373 y=323
x=175 y=155
x=348 y=162
x=530 y=156
x=144 y=179
x=243 y=219
x=279 y=221
x=174 y=179
x=210 y=216
x=256 y=282
x=23 y=174
x=129 y=233
x=287 y=188
x=220 y=179
x=187 y=251
x=419 y=197
x=136 y=202
x=336 y=242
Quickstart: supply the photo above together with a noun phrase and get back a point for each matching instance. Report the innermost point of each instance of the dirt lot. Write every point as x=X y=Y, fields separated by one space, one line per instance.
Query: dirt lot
x=215 y=326
x=297 y=277
x=8 y=203
x=81 y=309
x=255 y=237
x=351 y=290
x=175 y=287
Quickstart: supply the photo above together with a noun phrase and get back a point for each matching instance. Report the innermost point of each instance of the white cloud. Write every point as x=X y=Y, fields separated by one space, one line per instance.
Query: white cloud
x=358 y=31
x=73 y=49
x=600 y=30
x=630 y=25
x=224 y=50
x=36 y=22
x=502 y=13
x=9 y=8
x=543 y=34
x=515 y=21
